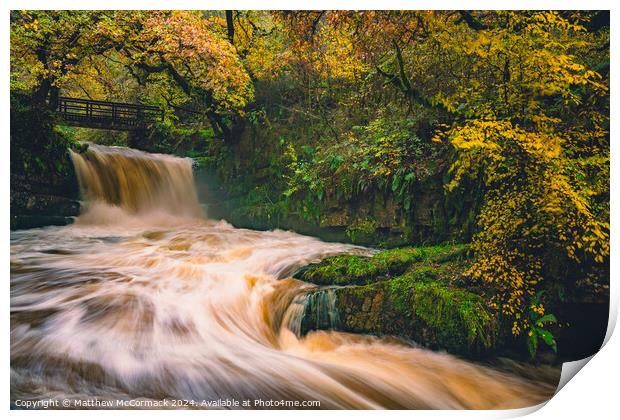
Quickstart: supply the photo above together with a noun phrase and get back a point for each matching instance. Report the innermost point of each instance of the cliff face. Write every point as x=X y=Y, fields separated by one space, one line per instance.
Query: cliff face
x=44 y=189
x=243 y=183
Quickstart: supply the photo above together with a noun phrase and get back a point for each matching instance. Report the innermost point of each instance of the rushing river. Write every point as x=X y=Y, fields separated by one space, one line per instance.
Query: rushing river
x=144 y=297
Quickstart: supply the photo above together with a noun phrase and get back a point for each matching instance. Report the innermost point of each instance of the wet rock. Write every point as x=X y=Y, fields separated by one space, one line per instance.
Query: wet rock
x=29 y=203
x=320 y=312
x=34 y=221
x=435 y=315
x=411 y=293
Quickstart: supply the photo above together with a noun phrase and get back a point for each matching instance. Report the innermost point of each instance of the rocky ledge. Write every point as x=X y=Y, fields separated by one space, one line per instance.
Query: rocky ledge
x=414 y=293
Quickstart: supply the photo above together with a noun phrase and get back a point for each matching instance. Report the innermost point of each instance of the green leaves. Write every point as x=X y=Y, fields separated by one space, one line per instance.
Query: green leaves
x=548 y=338
x=548 y=318
x=532 y=344
x=532 y=341
x=384 y=156
x=537 y=322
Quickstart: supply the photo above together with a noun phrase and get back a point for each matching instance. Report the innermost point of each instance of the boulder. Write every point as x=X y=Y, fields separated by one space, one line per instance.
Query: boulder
x=410 y=292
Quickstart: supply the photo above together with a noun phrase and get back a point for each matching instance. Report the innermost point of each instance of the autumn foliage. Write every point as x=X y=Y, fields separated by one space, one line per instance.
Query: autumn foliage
x=515 y=103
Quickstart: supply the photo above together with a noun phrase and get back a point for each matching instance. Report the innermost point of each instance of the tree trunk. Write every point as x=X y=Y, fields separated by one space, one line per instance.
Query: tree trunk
x=40 y=95
x=230 y=26
x=54 y=95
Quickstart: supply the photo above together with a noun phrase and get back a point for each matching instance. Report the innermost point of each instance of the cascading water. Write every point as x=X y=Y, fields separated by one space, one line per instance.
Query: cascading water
x=144 y=298
x=312 y=310
x=136 y=182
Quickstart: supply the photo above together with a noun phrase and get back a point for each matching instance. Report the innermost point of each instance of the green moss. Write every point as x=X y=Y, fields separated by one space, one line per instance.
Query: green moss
x=351 y=269
x=338 y=270
x=410 y=292
x=422 y=306
x=399 y=286
x=457 y=317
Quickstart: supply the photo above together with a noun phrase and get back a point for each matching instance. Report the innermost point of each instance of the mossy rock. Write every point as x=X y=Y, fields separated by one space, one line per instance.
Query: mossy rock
x=412 y=293
x=356 y=270
x=421 y=307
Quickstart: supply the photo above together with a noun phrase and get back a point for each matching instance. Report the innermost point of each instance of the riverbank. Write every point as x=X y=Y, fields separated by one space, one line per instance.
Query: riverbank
x=420 y=294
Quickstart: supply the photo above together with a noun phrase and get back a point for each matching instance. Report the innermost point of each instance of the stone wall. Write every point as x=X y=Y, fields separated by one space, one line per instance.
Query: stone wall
x=41 y=200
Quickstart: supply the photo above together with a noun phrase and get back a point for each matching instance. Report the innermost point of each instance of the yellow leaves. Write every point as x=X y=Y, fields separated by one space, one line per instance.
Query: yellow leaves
x=533 y=203
x=481 y=45
x=203 y=57
x=493 y=143
x=267 y=57
x=523 y=64
x=329 y=49
x=34 y=25
x=447 y=102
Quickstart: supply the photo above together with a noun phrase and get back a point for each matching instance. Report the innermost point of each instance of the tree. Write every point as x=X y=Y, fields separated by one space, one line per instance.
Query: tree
x=47 y=45
x=518 y=97
x=535 y=126
x=164 y=51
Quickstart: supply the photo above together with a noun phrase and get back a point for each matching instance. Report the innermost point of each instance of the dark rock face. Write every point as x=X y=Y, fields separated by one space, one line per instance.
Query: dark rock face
x=34 y=203
x=21 y=221
x=43 y=200
x=433 y=218
x=44 y=188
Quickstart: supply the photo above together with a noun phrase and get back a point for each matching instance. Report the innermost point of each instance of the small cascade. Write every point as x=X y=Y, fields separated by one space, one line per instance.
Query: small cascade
x=313 y=310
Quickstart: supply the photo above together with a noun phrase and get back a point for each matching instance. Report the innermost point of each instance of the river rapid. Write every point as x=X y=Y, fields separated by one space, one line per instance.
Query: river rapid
x=144 y=297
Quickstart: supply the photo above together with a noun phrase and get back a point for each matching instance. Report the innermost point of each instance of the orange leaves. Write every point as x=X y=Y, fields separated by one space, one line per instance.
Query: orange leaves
x=185 y=41
x=185 y=44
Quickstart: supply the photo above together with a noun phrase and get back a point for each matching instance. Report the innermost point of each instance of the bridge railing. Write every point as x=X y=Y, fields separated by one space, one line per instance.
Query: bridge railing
x=104 y=114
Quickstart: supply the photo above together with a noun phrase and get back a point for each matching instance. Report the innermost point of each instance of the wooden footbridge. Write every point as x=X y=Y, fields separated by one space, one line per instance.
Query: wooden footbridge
x=107 y=115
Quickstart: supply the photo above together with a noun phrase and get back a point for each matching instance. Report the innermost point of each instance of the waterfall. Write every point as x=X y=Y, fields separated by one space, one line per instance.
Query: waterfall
x=314 y=310
x=144 y=298
x=136 y=182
